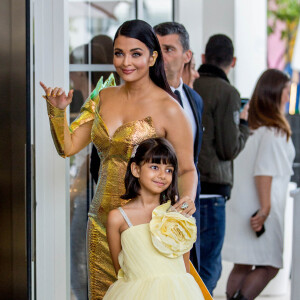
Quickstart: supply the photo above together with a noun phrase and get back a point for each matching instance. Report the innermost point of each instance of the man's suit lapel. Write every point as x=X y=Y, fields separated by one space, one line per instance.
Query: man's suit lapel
x=194 y=109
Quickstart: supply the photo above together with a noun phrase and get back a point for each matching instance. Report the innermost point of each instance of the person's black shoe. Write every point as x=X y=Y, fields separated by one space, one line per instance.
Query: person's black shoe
x=240 y=296
x=237 y=296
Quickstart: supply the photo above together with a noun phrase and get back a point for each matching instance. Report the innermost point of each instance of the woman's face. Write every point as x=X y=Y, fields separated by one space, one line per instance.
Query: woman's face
x=132 y=58
x=191 y=74
x=285 y=95
x=194 y=72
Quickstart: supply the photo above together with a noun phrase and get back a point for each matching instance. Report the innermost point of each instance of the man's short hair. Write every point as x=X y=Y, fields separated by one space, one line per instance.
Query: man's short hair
x=174 y=28
x=219 y=50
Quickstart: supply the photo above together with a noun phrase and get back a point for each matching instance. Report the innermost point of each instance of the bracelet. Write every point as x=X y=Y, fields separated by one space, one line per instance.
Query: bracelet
x=261 y=214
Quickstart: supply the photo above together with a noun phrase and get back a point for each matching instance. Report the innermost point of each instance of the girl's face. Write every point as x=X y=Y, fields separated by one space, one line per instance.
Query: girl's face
x=154 y=178
x=132 y=58
x=285 y=96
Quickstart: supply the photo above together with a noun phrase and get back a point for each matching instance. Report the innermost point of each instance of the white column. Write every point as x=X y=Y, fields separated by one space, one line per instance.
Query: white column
x=52 y=199
x=245 y=22
x=295 y=288
x=218 y=17
x=189 y=13
x=296 y=53
x=250 y=41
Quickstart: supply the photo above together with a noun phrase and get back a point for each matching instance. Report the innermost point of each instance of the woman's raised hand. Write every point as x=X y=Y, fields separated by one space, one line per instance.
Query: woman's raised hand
x=57 y=96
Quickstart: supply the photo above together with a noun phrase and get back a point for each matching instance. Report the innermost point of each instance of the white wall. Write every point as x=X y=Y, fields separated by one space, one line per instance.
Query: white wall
x=250 y=41
x=244 y=21
x=218 y=17
x=189 y=13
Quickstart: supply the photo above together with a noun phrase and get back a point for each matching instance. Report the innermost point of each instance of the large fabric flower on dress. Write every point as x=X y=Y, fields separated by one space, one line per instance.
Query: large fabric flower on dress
x=172 y=233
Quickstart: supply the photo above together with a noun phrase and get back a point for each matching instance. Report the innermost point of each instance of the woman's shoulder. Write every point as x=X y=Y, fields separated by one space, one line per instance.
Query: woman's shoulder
x=271 y=133
x=271 y=139
x=167 y=103
x=109 y=91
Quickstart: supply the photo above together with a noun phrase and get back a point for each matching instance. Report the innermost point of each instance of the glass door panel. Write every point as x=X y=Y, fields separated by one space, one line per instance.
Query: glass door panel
x=157 y=11
x=92 y=25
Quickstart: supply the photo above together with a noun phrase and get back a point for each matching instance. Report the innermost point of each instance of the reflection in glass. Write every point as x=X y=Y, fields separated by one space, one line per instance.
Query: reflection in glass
x=79 y=190
x=78 y=200
x=90 y=18
x=157 y=11
x=92 y=26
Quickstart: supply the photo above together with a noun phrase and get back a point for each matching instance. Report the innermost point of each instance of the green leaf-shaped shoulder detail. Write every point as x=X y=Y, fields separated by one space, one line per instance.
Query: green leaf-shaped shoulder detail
x=87 y=111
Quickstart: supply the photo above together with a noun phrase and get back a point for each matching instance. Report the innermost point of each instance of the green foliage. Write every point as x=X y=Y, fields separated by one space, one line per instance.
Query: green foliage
x=287 y=11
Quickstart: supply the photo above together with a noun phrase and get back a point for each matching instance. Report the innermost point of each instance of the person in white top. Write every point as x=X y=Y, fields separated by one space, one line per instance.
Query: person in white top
x=255 y=213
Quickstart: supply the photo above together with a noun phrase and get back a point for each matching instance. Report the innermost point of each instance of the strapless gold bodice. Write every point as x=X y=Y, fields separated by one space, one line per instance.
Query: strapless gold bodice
x=115 y=152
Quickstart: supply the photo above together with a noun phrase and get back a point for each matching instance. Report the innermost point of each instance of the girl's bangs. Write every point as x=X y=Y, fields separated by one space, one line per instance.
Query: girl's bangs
x=160 y=155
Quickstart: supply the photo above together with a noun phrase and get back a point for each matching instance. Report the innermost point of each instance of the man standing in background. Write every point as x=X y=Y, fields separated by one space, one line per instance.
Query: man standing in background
x=225 y=134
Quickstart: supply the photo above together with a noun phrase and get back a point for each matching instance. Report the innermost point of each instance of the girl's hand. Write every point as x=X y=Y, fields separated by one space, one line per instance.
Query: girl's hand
x=258 y=220
x=57 y=97
x=185 y=206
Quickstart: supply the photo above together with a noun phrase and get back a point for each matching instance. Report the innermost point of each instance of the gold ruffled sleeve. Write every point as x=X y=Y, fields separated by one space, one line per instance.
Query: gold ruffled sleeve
x=58 y=119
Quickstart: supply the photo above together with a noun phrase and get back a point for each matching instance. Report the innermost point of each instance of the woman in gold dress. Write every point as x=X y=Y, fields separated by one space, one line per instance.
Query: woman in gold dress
x=116 y=120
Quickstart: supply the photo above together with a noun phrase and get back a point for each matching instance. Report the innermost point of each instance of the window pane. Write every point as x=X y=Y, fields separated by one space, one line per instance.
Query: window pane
x=157 y=11
x=89 y=19
x=92 y=25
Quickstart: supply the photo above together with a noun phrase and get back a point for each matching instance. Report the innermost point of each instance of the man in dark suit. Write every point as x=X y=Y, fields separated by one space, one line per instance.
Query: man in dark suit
x=175 y=45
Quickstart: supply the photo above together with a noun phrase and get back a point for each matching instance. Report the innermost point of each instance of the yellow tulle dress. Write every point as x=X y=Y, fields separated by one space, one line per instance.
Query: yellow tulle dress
x=151 y=270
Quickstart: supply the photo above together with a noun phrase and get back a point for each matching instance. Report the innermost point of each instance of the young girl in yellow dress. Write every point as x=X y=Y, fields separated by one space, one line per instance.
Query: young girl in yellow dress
x=149 y=240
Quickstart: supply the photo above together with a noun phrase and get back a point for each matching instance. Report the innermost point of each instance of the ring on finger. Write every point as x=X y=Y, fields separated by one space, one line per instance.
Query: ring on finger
x=184 y=206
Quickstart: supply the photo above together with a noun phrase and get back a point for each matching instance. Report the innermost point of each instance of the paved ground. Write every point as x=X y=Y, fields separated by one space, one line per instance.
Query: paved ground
x=262 y=298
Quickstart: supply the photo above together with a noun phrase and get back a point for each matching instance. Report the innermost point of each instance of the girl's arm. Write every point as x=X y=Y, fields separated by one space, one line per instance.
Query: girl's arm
x=186 y=258
x=263 y=187
x=114 y=222
x=179 y=134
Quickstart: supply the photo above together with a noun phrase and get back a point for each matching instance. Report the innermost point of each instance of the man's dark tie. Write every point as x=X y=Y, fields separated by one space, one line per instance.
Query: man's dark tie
x=177 y=93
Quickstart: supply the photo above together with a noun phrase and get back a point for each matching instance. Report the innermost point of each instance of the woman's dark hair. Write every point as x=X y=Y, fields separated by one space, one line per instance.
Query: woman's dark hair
x=157 y=151
x=142 y=31
x=265 y=103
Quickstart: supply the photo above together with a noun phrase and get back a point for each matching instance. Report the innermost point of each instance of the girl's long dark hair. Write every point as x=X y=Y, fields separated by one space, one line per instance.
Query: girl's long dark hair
x=154 y=150
x=142 y=31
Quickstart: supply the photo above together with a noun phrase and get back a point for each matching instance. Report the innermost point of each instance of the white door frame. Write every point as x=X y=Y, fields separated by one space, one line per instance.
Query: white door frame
x=51 y=172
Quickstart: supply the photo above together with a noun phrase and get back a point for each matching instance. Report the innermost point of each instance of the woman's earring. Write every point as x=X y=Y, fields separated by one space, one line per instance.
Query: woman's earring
x=154 y=55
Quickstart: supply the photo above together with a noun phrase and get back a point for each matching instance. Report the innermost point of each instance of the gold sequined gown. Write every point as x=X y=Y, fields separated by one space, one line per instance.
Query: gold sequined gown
x=115 y=152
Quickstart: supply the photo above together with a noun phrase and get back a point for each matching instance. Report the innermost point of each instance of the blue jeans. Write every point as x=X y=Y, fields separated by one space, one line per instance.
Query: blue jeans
x=212 y=231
